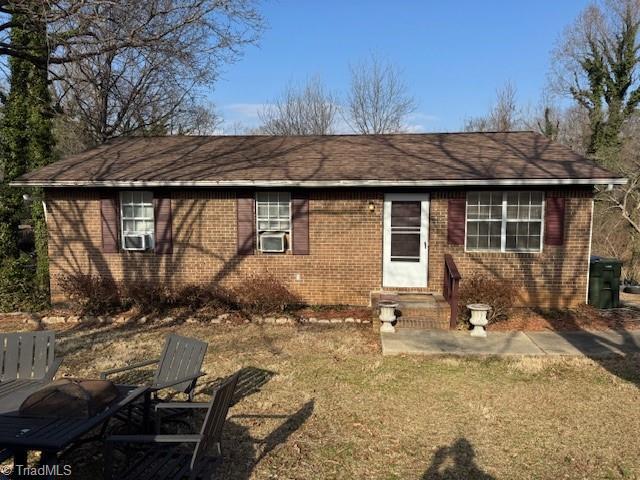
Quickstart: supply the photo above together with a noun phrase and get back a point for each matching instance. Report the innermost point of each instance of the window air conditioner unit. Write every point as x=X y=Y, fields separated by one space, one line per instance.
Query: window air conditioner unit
x=272 y=242
x=137 y=241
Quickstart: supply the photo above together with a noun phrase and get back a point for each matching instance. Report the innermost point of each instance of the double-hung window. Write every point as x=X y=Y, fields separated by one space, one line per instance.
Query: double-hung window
x=273 y=220
x=137 y=222
x=504 y=221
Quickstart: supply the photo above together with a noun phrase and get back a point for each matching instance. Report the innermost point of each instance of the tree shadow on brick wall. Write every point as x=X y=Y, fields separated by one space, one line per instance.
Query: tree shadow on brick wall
x=195 y=258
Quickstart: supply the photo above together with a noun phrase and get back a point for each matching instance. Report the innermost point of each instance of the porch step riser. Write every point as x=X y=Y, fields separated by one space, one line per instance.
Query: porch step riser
x=425 y=311
x=435 y=312
x=422 y=323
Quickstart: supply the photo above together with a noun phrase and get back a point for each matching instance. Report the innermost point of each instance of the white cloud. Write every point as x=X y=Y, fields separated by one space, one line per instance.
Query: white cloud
x=238 y=118
x=417 y=122
x=244 y=111
x=422 y=116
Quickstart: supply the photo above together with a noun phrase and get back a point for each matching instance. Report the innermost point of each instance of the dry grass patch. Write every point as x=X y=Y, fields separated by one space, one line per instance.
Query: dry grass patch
x=335 y=409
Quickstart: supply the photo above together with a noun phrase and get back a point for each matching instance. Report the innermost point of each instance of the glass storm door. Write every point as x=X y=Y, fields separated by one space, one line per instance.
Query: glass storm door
x=405 y=244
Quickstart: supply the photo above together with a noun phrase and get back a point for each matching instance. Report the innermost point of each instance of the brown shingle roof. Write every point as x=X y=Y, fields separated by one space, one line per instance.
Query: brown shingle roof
x=322 y=160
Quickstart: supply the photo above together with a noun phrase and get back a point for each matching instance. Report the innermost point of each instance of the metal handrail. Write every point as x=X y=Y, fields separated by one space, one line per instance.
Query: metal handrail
x=450 y=289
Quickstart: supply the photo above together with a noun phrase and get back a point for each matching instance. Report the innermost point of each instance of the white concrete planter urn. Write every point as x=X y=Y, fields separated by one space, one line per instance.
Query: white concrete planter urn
x=387 y=316
x=478 y=318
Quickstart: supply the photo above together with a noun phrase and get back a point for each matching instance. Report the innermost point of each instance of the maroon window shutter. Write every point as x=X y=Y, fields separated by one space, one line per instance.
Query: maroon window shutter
x=300 y=223
x=163 y=223
x=554 y=221
x=246 y=223
x=455 y=221
x=109 y=219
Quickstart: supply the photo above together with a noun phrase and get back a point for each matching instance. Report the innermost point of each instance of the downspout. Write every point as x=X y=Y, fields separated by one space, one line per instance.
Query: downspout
x=589 y=255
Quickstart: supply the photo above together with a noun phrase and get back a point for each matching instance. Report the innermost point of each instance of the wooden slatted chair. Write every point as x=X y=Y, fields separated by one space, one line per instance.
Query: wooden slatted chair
x=28 y=356
x=27 y=361
x=178 y=370
x=178 y=367
x=167 y=456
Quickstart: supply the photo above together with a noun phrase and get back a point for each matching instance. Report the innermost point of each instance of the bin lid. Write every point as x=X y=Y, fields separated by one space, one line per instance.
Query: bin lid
x=598 y=259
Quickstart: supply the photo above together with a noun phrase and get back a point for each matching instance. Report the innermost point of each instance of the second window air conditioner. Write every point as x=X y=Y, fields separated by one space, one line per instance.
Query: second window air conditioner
x=272 y=242
x=137 y=241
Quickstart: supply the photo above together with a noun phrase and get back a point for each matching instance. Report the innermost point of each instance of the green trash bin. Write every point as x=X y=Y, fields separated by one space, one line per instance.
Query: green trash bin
x=604 y=282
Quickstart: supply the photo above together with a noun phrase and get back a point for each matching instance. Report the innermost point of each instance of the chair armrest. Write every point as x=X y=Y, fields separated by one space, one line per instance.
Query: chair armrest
x=187 y=405
x=153 y=438
x=171 y=383
x=54 y=369
x=106 y=373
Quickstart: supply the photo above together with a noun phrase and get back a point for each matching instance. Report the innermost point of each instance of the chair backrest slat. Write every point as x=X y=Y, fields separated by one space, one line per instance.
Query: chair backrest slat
x=26 y=355
x=181 y=357
x=43 y=355
x=211 y=431
x=11 y=357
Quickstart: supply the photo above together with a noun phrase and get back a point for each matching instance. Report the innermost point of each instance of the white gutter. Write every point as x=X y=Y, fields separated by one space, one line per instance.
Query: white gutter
x=319 y=183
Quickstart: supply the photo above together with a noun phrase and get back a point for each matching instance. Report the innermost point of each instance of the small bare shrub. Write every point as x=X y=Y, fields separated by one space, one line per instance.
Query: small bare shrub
x=499 y=294
x=146 y=296
x=264 y=294
x=90 y=294
x=211 y=297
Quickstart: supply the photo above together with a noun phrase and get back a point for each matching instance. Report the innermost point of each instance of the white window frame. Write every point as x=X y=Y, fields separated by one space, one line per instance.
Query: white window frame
x=123 y=218
x=504 y=222
x=288 y=232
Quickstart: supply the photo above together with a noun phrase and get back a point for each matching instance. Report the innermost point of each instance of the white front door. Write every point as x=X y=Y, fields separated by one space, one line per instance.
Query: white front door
x=406 y=237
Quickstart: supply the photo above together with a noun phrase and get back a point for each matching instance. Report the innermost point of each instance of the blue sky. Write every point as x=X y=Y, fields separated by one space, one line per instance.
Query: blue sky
x=453 y=54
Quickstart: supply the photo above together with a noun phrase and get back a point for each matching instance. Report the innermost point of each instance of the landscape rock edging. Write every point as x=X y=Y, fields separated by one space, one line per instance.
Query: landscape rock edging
x=224 y=318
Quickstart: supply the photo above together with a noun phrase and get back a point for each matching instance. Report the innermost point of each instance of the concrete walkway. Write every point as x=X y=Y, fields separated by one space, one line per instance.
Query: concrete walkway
x=589 y=344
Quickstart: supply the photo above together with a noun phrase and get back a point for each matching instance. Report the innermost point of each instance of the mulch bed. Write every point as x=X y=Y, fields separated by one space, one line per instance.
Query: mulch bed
x=582 y=318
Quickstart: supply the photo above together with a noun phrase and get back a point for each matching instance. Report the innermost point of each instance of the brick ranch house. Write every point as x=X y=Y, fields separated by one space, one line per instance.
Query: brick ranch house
x=338 y=218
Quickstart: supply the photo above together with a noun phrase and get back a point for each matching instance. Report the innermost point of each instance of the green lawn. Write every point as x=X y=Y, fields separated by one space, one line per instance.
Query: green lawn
x=335 y=408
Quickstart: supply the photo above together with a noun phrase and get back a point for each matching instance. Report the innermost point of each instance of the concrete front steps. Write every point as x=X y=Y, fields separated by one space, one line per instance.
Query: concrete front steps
x=422 y=311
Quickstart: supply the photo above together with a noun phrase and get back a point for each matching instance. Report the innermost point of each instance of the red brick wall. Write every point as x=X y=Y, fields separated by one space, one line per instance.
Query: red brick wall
x=555 y=277
x=345 y=260
x=344 y=264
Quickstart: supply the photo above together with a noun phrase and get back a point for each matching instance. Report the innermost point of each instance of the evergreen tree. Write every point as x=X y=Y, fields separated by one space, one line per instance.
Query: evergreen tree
x=549 y=127
x=14 y=145
x=26 y=142
x=40 y=148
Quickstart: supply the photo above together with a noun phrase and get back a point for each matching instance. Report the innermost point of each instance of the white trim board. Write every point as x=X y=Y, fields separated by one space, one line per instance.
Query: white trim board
x=321 y=183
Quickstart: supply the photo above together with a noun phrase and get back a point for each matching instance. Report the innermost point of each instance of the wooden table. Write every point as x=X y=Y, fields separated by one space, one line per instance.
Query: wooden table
x=51 y=435
x=14 y=392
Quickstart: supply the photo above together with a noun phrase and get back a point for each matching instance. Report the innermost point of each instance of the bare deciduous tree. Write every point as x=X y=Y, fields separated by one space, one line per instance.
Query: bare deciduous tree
x=79 y=29
x=596 y=63
x=617 y=218
x=378 y=101
x=504 y=114
x=124 y=87
x=625 y=199
x=307 y=110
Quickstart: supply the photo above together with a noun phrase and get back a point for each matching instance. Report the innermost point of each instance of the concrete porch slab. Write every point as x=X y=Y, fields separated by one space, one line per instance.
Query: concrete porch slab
x=457 y=343
x=589 y=344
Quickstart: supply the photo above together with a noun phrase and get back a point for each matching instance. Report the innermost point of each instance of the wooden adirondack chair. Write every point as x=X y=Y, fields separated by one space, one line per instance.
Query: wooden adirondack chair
x=178 y=366
x=166 y=456
x=27 y=356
